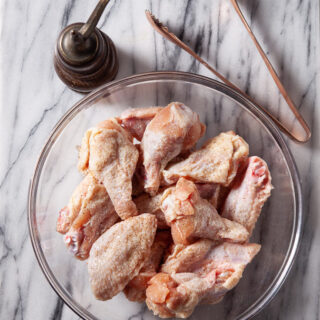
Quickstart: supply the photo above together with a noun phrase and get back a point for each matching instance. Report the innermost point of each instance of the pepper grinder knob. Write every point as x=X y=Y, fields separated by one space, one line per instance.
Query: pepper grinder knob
x=85 y=57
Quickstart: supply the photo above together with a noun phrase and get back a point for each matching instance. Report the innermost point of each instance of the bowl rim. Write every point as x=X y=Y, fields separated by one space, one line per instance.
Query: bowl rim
x=292 y=250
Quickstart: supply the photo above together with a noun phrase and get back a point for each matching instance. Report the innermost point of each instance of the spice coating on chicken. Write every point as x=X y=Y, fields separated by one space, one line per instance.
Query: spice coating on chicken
x=136 y=288
x=212 y=272
x=147 y=203
x=89 y=213
x=107 y=152
x=167 y=299
x=192 y=217
x=119 y=254
x=69 y=213
x=135 y=120
x=250 y=191
x=216 y=162
x=174 y=129
x=183 y=257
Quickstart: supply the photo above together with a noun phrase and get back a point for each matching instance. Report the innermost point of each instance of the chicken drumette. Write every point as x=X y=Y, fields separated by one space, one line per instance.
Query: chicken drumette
x=192 y=217
x=135 y=120
x=107 y=152
x=199 y=273
x=176 y=128
x=89 y=214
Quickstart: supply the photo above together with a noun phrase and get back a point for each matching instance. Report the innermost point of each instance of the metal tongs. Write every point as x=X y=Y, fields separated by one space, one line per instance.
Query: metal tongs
x=163 y=30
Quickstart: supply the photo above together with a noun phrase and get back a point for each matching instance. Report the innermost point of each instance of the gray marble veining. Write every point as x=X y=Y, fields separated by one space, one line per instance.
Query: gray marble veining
x=33 y=99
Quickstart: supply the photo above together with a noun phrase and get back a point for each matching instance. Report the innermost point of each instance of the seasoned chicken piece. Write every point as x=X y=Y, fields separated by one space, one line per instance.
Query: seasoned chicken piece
x=192 y=217
x=147 y=203
x=92 y=213
x=135 y=120
x=68 y=214
x=167 y=299
x=136 y=288
x=119 y=254
x=216 y=162
x=183 y=257
x=250 y=191
x=108 y=153
x=174 y=129
x=229 y=260
x=211 y=272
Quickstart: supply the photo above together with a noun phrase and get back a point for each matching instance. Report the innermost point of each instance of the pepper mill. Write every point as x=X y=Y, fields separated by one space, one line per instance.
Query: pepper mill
x=85 y=57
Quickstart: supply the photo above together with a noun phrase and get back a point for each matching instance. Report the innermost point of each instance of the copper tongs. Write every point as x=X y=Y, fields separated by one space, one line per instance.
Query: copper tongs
x=163 y=30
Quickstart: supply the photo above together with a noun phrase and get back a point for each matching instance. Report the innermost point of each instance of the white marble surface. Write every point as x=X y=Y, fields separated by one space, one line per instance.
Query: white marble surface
x=33 y=99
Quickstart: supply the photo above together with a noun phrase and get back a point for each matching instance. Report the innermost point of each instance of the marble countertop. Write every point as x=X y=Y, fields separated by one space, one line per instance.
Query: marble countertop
x=33 y=99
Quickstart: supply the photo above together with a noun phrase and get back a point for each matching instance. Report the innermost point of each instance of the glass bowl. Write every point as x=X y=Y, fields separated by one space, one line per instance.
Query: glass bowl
x=221 y=109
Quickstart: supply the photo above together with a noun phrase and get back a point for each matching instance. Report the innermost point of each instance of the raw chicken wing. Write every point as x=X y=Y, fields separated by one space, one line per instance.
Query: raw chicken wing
x=248 y=194
x=89 y=214
x=211 y=271
x=216 y=162
x=174 y=129
x=147 y=203
x=192 y=217
x=108 y=153
x=135 y=120
x=229 y=260
x=119 y=254
x=136 y=288
x=71 y=211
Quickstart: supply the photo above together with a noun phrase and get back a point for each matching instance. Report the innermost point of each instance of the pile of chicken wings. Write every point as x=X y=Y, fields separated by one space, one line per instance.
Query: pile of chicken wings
x=158 y=220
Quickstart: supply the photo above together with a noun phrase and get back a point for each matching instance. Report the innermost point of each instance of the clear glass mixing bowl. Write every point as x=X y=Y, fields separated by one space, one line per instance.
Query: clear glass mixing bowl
x=221 y=109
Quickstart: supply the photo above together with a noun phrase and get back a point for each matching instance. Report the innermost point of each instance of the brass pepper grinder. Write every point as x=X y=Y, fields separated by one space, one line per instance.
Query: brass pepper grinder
x=85 y=57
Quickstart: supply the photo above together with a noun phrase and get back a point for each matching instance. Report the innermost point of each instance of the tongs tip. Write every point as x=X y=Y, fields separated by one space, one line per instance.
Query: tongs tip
x=152 y=19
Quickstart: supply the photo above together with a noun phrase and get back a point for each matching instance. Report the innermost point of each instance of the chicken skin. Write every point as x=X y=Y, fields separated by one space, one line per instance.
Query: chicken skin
x=119 y=254
x=250 y=191
x=176 y=128
x=89 y=214
x=212 y=270
x=135 y=120
x=107 y=152
x=136 y=288
x=216 y=162
x=192 y=217
x=147 y=203
x=69 y=213
x=183 y=257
